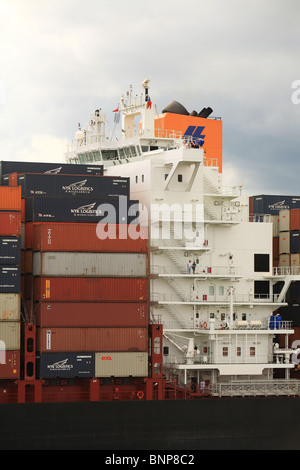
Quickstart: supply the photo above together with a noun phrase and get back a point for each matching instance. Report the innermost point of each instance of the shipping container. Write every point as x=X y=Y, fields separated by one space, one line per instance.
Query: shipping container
x=284 y=220
x=284 y=261
x=10 y=307
x=73 y=185
x=275 y=247
x=10 y=250
x=84 y=238
x=295 y=263
x=10 y=198
x=79 y=209
x=284 y=243
x=10 y=279
x=65 y=365
x=10 y=223
x=275 y=221
x=295 y=219
x=295 y=241
x=92 y=339
x=89 y=314
x=10 y=365
x=272 y=204
x=10 y=335
x=124 y=364
x=7 y=167
x=60 y=264
x=89 y=289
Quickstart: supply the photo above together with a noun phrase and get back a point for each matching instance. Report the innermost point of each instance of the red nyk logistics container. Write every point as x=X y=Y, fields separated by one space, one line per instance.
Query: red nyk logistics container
x=10 y=223
x=85 y=238
x=89 y=289
x=92 y=339
x=90 y=314
x=294 y=219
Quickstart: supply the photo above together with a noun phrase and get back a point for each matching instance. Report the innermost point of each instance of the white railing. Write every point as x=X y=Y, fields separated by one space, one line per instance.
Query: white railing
x=219 y=359
x=200 y=271
x=217 y=299
x=286 y=271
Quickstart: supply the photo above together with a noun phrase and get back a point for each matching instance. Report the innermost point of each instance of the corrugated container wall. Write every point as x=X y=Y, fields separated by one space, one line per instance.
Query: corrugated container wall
x=65 y=365
x=83 y=238
x=7 y=167
x=91 y=339
x=90 y=289
x=10 y=224
x=295 y=219
x=10 y=250
x=295 y=241
x=123 y=364
x=10 y=365
x=284 y=220
x=284 y=242
x=89 y=264
x=10 y=279
x=10 y=307
x=10 y=335
x=81 y=209
x=73 y=185
x=90 y=314
x=10 y=198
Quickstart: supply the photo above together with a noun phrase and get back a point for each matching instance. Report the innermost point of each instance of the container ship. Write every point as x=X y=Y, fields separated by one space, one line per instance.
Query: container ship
x=143 y=304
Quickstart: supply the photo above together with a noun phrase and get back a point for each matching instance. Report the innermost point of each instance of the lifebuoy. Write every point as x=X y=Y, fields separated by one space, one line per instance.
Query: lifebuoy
x=204 y=325
x=140 y=395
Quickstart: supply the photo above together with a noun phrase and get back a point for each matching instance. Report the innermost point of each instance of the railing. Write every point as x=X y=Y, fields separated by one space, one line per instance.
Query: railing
x=200 y=271
x=217 y=299
x=216 y=359
x=252 y=326
x=286 y=271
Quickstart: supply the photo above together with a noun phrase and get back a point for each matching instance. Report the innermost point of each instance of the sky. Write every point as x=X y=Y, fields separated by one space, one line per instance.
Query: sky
x=62 y=59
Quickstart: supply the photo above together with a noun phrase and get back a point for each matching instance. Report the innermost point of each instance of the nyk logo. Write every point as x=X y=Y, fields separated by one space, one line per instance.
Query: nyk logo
x=55 y=171
x=61 y=365
x=195 y=132
x=79 y=186
x=88 y=209
x=278 y=206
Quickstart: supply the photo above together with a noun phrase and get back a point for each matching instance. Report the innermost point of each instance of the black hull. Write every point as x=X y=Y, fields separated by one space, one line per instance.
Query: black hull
x=194 y=425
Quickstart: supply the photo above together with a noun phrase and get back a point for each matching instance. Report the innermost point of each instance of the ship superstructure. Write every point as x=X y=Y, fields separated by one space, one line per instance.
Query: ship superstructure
x=212 y=284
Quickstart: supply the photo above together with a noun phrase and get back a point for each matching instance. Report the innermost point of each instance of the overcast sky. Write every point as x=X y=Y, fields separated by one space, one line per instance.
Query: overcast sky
x=62 y=59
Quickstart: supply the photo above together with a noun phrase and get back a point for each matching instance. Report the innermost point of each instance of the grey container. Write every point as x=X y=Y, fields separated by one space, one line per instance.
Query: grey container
x=10 y=307
x=10 y=335
x=65 y=365
x=61 y=264
x=121 y=364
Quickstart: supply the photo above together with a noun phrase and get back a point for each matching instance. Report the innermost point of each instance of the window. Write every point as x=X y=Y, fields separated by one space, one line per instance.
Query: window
x=261 y=289
x=211 y=315
x=166 y=176
x=238 y=351
x=244 y=316
x=221 y=290
x=143 y=179
x=211 y=290
x=223 y=316
x=225 y=351
x=179 y=178
x=136 y=179
x=261 y=263
x=252 y=351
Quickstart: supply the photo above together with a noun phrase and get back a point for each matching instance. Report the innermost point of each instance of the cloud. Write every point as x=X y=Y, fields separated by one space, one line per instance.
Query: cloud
x=62 y=59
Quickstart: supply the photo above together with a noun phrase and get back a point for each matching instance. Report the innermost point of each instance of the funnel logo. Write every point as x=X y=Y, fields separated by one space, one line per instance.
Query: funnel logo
x=61 y=365
x=194 y=133
x=78 y=187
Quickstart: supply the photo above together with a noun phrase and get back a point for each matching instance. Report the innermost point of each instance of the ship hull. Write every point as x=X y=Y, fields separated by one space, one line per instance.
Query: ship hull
x=193 y=425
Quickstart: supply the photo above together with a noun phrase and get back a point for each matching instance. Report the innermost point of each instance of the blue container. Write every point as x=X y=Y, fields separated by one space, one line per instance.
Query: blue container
x=295 y=241
x=65 y=365
x=10 y=250
x=10 y=279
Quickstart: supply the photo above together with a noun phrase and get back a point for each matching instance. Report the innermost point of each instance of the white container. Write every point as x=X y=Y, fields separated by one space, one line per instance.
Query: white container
x=121 y=364
x=10 y=307
x=284 y=243
x=89 y=264
x=284 y=220
x=10 y=335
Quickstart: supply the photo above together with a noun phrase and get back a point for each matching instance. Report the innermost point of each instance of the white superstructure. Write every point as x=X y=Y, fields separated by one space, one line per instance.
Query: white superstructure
x=217 y=318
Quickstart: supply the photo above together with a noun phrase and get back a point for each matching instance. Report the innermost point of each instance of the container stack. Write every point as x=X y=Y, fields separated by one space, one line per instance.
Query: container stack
x=87 y=294
x=289 y=239
x=10 y=282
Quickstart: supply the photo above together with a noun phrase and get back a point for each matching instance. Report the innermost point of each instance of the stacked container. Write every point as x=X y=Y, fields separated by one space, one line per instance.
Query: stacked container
x=10 y=282
x=87 y=295
x=289 y=239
